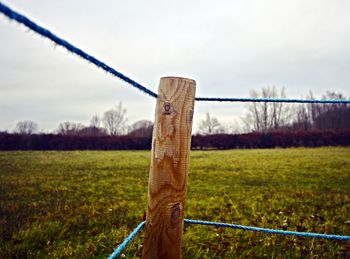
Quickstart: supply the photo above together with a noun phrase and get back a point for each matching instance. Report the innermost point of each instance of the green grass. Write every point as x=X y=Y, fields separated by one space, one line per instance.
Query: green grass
x=83 y=204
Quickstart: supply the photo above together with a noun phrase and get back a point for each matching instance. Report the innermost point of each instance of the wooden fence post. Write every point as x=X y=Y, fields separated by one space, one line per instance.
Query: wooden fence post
x=171 y=144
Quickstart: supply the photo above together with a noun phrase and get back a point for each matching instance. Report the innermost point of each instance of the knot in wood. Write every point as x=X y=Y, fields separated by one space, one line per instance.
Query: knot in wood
x=167 y=108
x=175 y=213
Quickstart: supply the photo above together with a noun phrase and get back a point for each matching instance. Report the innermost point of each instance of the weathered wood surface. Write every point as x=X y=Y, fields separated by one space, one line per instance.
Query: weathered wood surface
x=169 y=168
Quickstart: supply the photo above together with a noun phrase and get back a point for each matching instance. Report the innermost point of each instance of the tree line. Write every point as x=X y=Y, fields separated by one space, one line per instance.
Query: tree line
x=265 y=125
x=112 y=123
x=282 y=139
x=265 y=117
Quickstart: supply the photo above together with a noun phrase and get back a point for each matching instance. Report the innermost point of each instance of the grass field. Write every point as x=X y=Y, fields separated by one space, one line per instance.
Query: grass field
x=83 y=204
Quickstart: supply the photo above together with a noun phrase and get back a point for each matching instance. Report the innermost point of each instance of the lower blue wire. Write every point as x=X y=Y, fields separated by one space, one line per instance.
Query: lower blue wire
x=122 y=246
x=127 y=240
x=266 y=230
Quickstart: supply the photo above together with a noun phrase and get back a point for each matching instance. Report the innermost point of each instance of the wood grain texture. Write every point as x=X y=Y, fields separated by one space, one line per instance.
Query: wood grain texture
x=169 y=168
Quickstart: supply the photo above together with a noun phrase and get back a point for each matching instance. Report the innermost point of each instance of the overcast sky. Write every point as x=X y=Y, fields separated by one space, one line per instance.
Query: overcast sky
x=228 y=47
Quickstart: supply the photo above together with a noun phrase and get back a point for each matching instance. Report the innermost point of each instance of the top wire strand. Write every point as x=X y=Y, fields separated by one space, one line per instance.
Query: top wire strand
x=20 y=18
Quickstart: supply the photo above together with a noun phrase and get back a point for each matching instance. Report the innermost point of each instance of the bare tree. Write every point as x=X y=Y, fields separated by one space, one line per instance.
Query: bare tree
x=115 y=120
x=304 y=114
x=266 y=116
x=331 y=116
x=142 y=128
x=69 y=128
x=210 y=125
x=95 y=121
x=303 y=120
x=26 y=127
x=233 y=128
x=323 y=116
x=92 y=131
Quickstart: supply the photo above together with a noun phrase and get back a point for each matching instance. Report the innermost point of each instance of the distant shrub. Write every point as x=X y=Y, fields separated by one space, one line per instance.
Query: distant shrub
x=283 y=139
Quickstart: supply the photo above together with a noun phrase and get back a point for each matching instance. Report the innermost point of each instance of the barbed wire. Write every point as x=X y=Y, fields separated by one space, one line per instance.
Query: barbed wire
x=267 y=230
x=11 y=14
x=127 y=240
x=270 y=100
x=133 y=234
x=71 y=48
x=20 y=18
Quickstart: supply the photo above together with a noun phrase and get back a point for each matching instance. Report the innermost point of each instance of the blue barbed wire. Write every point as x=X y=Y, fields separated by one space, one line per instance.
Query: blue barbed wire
x=7 y=11
x=269 y=100
x=71 y=48
x=127 y=240
x=122 y=246
x=267 y=230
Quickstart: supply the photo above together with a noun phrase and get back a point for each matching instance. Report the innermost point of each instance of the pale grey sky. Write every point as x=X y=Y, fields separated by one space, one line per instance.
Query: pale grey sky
x=228 y=47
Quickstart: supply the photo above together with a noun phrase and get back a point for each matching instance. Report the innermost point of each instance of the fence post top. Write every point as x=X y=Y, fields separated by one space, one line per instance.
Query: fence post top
x=178 y=78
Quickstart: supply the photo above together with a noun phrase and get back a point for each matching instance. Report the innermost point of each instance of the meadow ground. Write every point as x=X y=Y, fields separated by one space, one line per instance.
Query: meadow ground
x=83 y=204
